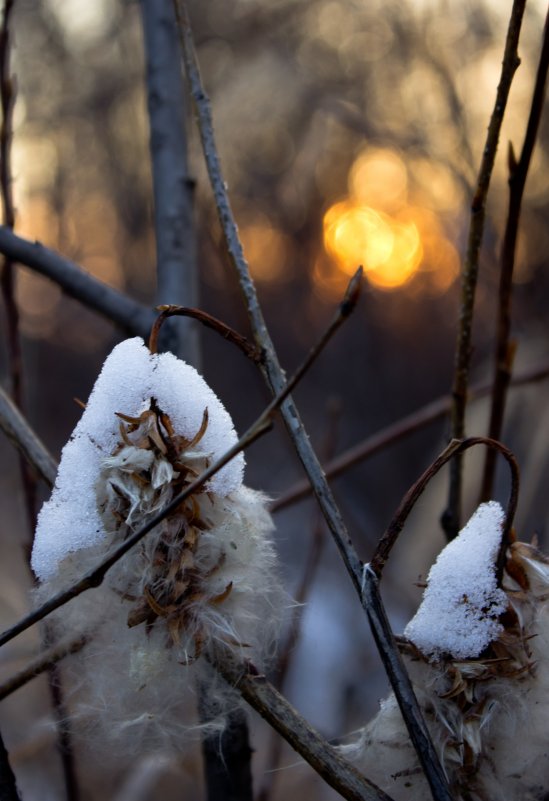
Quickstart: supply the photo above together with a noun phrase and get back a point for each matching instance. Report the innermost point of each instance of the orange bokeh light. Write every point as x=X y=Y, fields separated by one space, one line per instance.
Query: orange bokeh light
x=377 y=227
x=390 y=251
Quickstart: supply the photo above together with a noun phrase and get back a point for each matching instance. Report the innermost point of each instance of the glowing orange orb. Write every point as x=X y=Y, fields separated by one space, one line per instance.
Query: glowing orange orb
x=389 y=251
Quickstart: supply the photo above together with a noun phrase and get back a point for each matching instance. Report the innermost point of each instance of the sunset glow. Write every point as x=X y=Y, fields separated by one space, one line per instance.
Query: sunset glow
x=376 y=226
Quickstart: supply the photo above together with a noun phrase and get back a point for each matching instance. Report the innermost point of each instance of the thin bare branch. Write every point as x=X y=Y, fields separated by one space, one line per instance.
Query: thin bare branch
x=173 y=187
x=249 y=350
x=129 y=315
x=274 y=377
x=18 y=431
x=436 y=410
x=511 y=61
x=272 y=706
x=505 y=348
x=301 y=596
x=43 y=662
x=271 y=369
x=402 y=687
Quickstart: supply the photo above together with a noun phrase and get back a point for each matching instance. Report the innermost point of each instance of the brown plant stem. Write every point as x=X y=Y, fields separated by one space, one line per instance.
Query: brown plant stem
x=94 y=577
x=18 y=431
x=400 y=682
x=505 y=348
x=249 y=350
x=275 y=380
x=272 y=706
x=300 y=597
x=262 y=696
x=128 y=314
x=453 y=449
x=451 y=516
x=43 y=662
x=436 y=410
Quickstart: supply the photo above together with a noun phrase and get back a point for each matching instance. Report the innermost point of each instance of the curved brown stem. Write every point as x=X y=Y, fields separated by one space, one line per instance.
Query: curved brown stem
x=454 y=449
x=251 y=351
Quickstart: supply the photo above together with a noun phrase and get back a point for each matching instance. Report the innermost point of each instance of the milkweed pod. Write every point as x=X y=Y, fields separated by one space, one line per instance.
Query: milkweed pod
x=486 y=708
x=204 y=577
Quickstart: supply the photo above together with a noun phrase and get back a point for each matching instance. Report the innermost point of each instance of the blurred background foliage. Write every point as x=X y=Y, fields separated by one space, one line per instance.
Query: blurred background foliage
x=349 y=132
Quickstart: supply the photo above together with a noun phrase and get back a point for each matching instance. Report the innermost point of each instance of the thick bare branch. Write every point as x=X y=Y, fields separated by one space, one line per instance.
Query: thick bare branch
x=16 y=428
x=177 y=276
x=131 y=316
x=272 y=706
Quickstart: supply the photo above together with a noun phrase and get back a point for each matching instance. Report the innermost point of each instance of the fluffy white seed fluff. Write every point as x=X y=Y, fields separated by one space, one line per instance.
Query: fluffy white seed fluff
x=204 y=578
x=487 y=713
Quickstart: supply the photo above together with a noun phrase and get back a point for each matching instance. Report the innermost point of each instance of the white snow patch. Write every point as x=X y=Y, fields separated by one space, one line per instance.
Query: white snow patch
x=130 y=376
x=460 y=608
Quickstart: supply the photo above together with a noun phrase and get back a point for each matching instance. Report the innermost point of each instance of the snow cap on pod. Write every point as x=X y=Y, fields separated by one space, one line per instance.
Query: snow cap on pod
x=461 y=605
x=130 y=378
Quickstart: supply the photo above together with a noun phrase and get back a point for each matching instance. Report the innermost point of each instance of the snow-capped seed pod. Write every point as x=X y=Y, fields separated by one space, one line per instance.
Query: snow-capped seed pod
x=478 y=657
x=203 y=577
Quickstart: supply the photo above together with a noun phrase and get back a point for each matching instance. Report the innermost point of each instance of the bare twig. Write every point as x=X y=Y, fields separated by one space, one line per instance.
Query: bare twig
x=18 y=431
x=505 y=348
x=274 y=377
x=8 y=786
x=301 y=596
x=44 y=661
x=249 y=350
x=436 y=410
x=400 y=682
x=173 y=187
x=130 y=315
x=511 y=61
x=454 y=449
x=271 y=368
x=94 y=577
x=272 y=706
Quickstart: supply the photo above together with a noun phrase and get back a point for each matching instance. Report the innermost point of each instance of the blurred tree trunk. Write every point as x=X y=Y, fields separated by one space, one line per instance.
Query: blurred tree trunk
x=177 y=279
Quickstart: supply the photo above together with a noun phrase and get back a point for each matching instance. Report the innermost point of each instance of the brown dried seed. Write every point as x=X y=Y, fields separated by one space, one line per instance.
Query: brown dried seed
x=219 y=599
